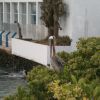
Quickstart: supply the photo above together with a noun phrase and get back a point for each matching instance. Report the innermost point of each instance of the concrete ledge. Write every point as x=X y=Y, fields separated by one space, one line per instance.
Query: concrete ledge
x=35 y=52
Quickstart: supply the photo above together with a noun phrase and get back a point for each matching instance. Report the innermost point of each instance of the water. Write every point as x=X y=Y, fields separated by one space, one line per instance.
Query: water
x=8 y=85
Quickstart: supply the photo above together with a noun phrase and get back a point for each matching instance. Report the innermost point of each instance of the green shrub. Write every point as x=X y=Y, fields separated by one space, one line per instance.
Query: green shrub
x=38 y=79
x=84 y=65
x=88 y=47
x=63 y=40
x=64 y=55
x=79 y=81
x=85 y=61
x=21 y=94
x=65 y=91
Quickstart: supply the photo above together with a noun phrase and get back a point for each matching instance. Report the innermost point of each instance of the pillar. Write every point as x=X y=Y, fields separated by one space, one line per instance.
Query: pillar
x=11 y=13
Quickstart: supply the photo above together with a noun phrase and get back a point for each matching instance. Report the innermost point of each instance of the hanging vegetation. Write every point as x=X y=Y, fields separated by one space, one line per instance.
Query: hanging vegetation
x=52 y=10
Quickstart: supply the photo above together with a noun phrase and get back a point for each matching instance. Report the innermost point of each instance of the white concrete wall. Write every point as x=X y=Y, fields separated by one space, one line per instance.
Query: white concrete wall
x=85 y=19
x=29 y=50
x=86 y=10
x=33 y=51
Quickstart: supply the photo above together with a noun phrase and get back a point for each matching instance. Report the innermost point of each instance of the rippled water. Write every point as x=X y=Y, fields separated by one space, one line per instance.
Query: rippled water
x=8 y=85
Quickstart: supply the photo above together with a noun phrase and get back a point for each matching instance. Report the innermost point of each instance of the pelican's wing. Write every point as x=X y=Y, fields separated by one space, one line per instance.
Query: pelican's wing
x=57 y=63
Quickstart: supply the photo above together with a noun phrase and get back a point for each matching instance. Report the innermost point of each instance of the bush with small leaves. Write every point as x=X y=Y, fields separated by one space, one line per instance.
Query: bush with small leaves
x=80 y=79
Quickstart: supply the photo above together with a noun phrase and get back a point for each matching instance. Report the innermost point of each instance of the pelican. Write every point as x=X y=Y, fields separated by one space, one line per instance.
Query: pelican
x=55 y=61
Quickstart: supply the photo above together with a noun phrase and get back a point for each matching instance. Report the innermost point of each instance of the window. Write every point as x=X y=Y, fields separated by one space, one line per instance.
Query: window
x=32 y=13
x=33 y=8
x=7 y=12
x=1 y=8
x=22 y=13
x=33 y=19
x=8 y=7
x=15 y=6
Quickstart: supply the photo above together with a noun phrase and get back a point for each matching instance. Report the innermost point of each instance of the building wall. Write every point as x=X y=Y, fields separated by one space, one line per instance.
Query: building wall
x=65 y=20
x=20 y=0
x=85 y=19
x=22 y=8
x=27 y=13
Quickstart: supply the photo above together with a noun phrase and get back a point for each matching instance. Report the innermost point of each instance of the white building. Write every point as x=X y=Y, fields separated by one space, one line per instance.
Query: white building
x=83 y=19
x=27 y=13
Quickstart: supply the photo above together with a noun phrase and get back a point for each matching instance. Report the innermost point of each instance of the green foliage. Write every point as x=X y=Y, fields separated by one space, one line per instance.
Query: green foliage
x=49 y=9
x=21 y=94
x=96 y=92
x=82 y=69
x=80 y=79
x=9 y=98
x=88 y=47
x=84 y=62
x=52 y=10
x=60 y=41
x=38 y=79
x=65 y=91
x=64 y=56
x=63 y=41
x=95 y=59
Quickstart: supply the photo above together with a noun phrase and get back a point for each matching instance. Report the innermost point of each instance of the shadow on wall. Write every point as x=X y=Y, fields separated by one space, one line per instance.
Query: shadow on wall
x=64 y=19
